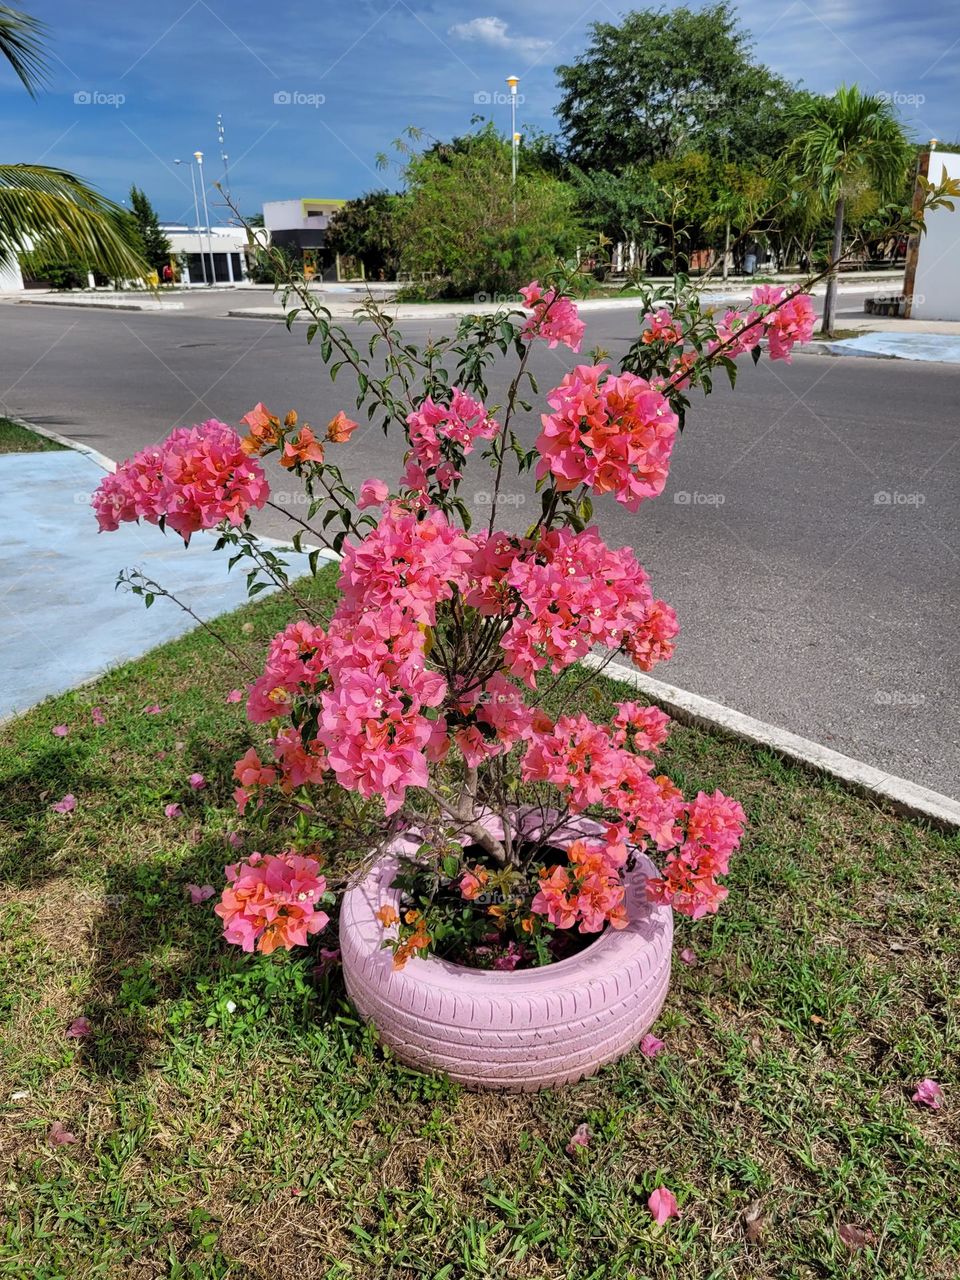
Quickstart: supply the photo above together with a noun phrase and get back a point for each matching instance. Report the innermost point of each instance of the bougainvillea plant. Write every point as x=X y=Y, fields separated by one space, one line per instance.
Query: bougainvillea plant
x=426 y=690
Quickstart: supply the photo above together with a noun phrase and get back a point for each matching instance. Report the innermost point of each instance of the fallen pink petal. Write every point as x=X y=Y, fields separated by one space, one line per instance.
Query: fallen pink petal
x=688 y=956
x=662 y=1203
x=200 y=892
x=650 y=1046
x=197 y=781
x=97 y=716
x=59 y=1136
x=929 y=1094
x=60 y=730
x=579 y=1138
x=173 y=811
x=329 y=959
x=78 y=1029
x=234 y=840
x=66 y=805
x=235 y=695
x=153 y=710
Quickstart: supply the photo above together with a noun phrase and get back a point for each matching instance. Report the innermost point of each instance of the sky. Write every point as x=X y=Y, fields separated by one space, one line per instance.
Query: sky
x=312 y=90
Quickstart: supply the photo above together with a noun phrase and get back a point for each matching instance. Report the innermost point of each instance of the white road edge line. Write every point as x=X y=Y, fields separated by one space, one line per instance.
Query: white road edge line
x=904 y=797
x=907 y=798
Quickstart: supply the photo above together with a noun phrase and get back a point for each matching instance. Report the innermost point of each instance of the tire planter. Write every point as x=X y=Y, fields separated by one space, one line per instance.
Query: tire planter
x=523 y=1030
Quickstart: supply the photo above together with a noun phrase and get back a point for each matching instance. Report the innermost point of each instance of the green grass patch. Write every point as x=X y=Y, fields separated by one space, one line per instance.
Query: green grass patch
x=235 y=1119
x=15 y=438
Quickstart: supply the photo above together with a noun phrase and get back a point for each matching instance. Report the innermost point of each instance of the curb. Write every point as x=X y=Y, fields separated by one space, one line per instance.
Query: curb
x=904 y=797
x=94 y=455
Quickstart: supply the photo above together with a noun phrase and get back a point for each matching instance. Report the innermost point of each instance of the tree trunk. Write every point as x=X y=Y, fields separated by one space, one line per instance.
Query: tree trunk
x=726 y=250
x=830 y=301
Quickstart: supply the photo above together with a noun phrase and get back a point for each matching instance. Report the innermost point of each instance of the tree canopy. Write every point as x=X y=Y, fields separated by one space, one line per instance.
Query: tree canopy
x=666 y=82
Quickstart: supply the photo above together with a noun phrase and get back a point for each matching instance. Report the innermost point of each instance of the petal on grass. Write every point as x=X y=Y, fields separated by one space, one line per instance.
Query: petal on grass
x=662 y=1203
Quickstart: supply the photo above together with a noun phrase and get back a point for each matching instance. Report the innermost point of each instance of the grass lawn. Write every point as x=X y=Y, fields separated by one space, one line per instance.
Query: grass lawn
x=234 y=1119
x=17 y=439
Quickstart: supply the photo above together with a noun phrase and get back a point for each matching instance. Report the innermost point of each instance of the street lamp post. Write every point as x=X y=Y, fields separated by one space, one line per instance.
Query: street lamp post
x=198 y=156
x=512 y=83
x=196 y=217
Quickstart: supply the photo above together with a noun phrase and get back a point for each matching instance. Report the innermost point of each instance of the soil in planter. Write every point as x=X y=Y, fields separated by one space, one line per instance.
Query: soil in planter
x=467 y=933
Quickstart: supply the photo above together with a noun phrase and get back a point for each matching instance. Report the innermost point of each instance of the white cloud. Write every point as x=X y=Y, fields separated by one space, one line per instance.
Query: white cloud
x=494 y=31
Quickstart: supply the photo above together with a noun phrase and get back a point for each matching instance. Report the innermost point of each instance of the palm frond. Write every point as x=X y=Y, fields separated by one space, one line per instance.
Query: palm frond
x=21 y=43
x=55 y=215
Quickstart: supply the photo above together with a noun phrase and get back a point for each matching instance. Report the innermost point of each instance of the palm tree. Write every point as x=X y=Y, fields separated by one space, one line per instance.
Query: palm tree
x=48 y=211
x=845 y=142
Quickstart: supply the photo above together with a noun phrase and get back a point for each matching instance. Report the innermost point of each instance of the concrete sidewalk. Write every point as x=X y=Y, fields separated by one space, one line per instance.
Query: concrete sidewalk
x=61 y=620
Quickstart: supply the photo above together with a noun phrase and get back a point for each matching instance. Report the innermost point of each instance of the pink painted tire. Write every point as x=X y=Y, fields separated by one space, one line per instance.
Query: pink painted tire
x=532 y=1029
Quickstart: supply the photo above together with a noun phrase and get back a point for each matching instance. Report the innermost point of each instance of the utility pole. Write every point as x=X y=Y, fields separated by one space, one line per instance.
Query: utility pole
x=223 y=157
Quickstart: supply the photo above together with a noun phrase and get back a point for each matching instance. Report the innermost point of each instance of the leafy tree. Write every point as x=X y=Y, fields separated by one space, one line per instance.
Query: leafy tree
x=156 y=246
x=46 y=210
x=464 y=228
x=843 y=144
x=366 y=229
x=663 y=83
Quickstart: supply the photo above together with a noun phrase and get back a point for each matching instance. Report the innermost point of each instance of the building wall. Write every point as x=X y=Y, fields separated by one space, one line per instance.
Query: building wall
x=11 y=280
x=936 y=285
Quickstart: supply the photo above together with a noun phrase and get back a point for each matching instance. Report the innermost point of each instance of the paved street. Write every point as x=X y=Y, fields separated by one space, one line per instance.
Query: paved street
x=804 y=598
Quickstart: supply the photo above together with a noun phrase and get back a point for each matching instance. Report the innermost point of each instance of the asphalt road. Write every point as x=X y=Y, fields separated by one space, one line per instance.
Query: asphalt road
x=805 y=599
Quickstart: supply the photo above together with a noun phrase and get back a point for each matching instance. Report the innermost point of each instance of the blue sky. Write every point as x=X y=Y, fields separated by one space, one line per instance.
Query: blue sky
x=312 y=90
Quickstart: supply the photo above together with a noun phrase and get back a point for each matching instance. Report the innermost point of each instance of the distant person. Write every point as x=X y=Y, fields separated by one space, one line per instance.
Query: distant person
x=168 y=274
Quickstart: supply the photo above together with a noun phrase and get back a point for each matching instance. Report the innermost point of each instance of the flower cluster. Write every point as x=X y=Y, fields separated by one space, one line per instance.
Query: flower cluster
x=613 y=434
x=272 y=901
x=198 y=477
x=783 y=324
x=662 y=327
x=433 y=426
x=575 y=592
x=554 y=318
x=714 y=827
x=588 y=892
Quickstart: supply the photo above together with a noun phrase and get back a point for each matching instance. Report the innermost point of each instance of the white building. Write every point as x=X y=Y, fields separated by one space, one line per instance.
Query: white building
x=301 y=225
x=218 y=256
x=932 y=281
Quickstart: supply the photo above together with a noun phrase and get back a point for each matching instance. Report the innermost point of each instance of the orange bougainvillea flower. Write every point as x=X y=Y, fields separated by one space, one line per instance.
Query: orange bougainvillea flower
x=416 y=942
x=387 y=916
x=306 y=448
x=341 y=428
x=264 y=429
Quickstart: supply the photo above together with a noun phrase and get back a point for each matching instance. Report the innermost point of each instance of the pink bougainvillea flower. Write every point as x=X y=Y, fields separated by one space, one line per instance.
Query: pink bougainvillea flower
x=197 y=781
x=579 y=1138
x=329 y=959
x=97 y=716
x=59 y=1136
x=235 y=695
x=173 y=811
x=650 y=1046
x=662 y=1203
x=197 y=478
x=60 y=730
x=272 y=901
x=929 y=1093
x=153 y=710
x=78 y=1029
x=372 y=494
x=554 y=318
x=688 y=956
x=66 y=805
x=200 y=892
